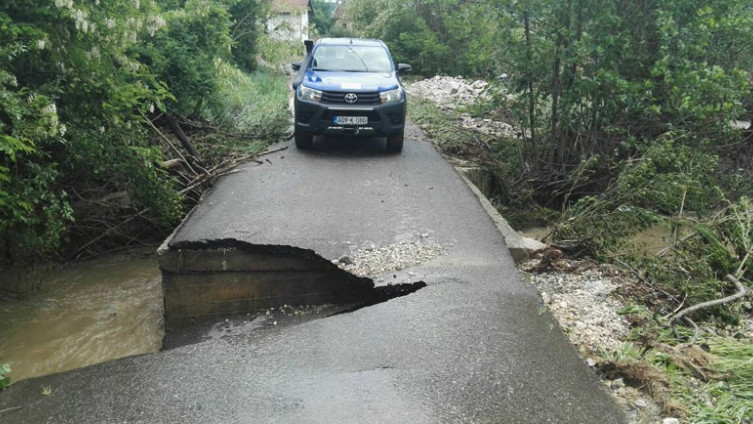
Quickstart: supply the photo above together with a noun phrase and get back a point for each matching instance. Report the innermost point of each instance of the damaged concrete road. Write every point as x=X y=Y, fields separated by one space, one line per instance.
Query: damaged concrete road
x=472 y=346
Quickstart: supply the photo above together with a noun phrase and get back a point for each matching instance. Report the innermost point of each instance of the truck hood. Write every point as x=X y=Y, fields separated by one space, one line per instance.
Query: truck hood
x=350 y=81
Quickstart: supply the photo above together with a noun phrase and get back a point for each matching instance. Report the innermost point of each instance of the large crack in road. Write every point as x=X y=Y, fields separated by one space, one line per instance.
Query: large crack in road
x=270 y=285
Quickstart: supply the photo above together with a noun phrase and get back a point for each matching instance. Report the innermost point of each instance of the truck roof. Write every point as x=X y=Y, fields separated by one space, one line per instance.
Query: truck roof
x=353 y=41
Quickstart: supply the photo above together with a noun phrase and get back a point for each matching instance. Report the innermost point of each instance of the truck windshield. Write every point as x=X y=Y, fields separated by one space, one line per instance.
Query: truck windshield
x=351 y=59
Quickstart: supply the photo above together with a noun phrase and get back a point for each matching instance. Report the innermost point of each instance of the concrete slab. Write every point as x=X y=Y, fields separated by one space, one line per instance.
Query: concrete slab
x=474 y=346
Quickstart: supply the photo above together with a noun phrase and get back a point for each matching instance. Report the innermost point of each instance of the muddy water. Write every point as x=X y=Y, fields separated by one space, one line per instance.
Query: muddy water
x=89 y=313
x=652 y=240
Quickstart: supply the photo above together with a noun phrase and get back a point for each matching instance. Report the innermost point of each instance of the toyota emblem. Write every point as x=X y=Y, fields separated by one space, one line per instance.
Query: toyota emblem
x=351 y=98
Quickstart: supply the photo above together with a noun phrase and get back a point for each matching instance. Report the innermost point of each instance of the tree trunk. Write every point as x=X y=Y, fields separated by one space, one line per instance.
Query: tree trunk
x=555 y=149
x=529 y=65
x=178 y=131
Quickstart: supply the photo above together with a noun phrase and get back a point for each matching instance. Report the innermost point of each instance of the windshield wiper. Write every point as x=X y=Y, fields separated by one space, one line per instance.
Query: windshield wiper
x=366 y=68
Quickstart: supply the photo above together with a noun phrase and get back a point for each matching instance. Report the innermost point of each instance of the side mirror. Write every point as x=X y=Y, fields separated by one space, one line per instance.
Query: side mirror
x=296 y=66
x=403 y=68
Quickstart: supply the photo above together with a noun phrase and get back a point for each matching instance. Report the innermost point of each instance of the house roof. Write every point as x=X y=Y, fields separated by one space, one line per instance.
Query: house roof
x=338 y=11
x=291 y=4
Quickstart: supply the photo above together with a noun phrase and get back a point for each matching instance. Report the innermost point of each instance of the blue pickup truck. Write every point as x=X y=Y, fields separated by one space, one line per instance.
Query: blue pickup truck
x=349 y=87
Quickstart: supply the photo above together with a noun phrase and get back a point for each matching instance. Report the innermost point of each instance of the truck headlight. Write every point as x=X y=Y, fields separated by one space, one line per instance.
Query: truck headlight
x=306 y=93
x=392 y=96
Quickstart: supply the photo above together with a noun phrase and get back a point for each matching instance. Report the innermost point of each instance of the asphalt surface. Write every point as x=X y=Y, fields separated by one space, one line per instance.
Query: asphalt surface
x=474 y=346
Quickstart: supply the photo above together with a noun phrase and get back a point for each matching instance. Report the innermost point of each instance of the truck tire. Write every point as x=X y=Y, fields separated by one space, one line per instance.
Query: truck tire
x=303 y=141
x=395 y=142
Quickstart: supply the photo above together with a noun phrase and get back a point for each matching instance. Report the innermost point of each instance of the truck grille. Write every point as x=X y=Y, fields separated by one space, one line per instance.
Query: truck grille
x=338 y=97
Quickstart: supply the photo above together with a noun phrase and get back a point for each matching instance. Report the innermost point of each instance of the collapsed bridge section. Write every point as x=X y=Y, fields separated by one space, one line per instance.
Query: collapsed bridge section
x=205 y=279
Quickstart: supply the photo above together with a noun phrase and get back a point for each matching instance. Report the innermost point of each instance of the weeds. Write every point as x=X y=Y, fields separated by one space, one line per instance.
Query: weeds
x=502 y=157
x=702 y=375
x=250 y=111
x=728 y=396
x=4 y=379
x=255 y=103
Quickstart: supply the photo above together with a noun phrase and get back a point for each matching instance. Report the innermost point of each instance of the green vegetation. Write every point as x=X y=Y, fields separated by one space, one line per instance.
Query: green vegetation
x=707 y=382
x=437 y=36
x=84 y=88
x=254 y=123
x=323 y=20
x=626 y=112
x=4 y=379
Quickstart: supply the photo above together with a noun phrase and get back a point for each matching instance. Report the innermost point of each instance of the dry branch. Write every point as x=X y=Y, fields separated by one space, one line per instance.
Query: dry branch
x=223 y=168
x=172 y=163
x=107 y=233
x=169 y=143
x=269 y=152
x=178 y=131
x=741 y=292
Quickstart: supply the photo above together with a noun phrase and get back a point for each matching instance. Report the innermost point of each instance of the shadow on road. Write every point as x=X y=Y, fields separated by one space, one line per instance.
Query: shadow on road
x=349 y=147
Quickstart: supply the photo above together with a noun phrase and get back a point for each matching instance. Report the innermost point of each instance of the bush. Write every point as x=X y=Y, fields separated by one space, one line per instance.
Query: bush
x=668 y=179
x=76 y=83
x=183 y=53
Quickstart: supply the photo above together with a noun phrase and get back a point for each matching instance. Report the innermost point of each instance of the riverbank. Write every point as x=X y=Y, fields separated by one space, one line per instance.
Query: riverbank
x=615 y=315
x=655 y=375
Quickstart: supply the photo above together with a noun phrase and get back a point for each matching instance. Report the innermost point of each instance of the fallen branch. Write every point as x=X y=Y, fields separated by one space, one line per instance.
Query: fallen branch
x=675 y=244
x=107 y=233
x=219 y=170
x=172 y=163
x=269 y=152
x=647 y=282
x=181 y=136
x=695 y=329
x=741 y=292
x=169 y=143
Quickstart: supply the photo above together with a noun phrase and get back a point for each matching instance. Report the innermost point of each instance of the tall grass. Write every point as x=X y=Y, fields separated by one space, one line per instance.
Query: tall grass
x=729 y=400
x=248 y=112
x=255 y=103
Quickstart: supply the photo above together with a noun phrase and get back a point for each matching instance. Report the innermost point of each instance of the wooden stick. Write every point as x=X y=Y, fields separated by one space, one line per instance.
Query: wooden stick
x=646 y=280
x=741 y=292
x=269 y=152
x=169 y=143
x=178 y=131
x=172 y=163
x=107 y=232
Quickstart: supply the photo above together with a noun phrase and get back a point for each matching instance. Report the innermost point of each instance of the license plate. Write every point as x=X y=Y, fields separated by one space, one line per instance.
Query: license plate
x=351 y=120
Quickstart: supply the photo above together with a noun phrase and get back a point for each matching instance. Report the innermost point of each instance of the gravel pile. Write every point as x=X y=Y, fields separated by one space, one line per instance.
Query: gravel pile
x=581 y=304
x=450 y=92
x=374 y=260
x=488 y=127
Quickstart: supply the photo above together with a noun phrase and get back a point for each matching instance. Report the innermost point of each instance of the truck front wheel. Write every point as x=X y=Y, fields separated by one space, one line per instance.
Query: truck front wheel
x=303 y=140
x=395 y=142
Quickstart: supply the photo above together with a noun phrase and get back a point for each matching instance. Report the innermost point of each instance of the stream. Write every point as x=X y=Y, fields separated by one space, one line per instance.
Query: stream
x=111 y=307
x=651 y=240
x=90 y=312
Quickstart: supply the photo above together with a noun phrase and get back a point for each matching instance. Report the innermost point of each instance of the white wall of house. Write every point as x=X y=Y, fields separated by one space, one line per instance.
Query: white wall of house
x=289 y=26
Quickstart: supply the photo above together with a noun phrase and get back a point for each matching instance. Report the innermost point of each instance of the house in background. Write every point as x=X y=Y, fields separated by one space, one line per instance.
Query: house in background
x=289 y=20
x=341 y=21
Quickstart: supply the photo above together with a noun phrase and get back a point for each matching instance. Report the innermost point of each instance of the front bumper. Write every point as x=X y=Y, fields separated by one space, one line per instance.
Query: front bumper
x=318 y=118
